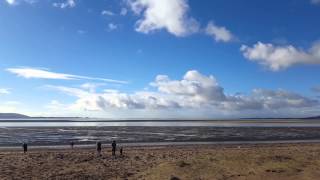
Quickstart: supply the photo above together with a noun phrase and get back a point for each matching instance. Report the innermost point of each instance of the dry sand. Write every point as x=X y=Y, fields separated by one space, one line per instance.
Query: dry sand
x=268 y=161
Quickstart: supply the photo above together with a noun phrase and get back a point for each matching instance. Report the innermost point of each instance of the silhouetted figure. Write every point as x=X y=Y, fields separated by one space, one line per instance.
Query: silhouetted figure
x=114 y=147
x=99 y=148
x=71 y=144
x=121 y=151
x=25 y=147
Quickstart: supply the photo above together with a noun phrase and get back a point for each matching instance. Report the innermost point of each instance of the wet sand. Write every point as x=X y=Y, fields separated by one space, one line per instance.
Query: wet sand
x=15 y=136
x=261 y=161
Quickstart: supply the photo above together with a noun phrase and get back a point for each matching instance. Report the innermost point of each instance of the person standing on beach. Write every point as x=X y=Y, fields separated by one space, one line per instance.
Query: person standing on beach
x=121 y=151
x=71 y=144
x=25 y=147
x=114 y=147
x=99 y=148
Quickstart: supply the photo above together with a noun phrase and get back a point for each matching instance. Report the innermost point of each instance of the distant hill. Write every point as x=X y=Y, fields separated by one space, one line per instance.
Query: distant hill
x=12 y=116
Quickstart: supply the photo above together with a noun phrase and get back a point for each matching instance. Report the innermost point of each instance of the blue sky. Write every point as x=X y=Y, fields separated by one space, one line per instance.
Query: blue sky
x=160 y=59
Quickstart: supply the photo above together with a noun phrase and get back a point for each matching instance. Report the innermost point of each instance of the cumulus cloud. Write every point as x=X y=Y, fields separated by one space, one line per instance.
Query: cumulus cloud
x=199 y=89
x=193 y=91
x=154 y=15
x=171 y=15
x=65 y=4
x=107 y=99
x=281 y=57
x=45 y=74
x=261 y=99
x=4 y=91
x=219 y=33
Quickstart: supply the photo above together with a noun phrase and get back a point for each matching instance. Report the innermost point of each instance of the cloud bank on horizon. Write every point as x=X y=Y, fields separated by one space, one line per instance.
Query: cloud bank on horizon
x=195 y=94
x=194 y=90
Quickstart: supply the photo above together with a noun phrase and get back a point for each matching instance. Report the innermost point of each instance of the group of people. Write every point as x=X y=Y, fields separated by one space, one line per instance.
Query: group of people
x=99 y=148
x=114 y=148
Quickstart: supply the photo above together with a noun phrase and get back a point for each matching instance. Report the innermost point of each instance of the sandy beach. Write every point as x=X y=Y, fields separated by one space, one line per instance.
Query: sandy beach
x=263 y=161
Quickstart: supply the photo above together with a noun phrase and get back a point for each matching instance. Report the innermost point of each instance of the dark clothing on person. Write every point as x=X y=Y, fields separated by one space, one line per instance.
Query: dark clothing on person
x=99 y=147
x=114 y=146
x=72 y=144
x=121 y=150
x=25 y=147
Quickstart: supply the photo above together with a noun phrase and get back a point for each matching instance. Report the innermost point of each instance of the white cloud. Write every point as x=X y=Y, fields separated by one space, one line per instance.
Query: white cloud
x=65 y=4
x=16 y=2
x=107 y=12
x=123 y=11
x=219 y=33
x=4 y=91
x=154 y=15
x=112 y=26
x=194 y=92
x=281 y=57
x=92 y=101
x=262 y=99
x=198 y=89
x=11 y=2
x=171 y=15
x=45 y=74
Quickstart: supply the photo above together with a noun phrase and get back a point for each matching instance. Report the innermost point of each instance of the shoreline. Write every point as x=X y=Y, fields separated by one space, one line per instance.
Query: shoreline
x=159 y=144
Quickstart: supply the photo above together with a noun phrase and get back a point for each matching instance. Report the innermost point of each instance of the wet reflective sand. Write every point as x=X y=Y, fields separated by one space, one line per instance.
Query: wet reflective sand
x=12 y=136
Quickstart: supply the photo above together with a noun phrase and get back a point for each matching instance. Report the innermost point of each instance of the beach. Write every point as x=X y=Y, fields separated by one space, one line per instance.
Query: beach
x=239 y=161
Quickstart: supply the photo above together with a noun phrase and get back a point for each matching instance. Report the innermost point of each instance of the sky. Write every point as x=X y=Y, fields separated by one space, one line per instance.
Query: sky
x=160 y=58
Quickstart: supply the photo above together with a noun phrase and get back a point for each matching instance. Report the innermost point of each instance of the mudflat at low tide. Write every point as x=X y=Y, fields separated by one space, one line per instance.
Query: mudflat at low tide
x=263 y=161
x=15 y=136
